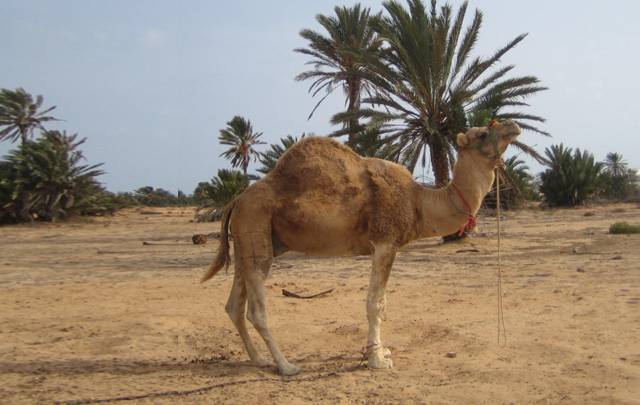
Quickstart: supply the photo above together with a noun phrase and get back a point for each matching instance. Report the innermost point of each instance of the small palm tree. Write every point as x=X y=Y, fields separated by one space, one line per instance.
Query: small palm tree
x=226 y=186
x=146 y=196
x=46 y=179
x=617 y=181
x=334 y=64
x=270 y=157
x=157 y=197
x=19 y=114
x=240 y=136
x=615 y=165
x=515 y=186
x=213 y=197
x=571 y=178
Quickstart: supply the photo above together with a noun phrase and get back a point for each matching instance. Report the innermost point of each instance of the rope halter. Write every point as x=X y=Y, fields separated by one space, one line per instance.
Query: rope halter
x=491 y=138
x=472 y=218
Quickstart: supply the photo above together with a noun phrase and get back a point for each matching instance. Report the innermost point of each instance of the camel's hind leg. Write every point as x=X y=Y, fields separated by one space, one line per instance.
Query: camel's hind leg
x=383 y=257
x=254 y=255
x=236 y=308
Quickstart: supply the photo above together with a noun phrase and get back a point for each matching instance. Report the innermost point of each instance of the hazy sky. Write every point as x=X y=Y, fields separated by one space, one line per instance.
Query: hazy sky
x=151 y=83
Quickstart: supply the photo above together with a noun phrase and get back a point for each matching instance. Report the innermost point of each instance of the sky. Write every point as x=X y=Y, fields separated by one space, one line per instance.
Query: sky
x=150 y=83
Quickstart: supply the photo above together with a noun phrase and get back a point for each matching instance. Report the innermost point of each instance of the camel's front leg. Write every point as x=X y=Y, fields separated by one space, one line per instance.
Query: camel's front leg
x=376 y=302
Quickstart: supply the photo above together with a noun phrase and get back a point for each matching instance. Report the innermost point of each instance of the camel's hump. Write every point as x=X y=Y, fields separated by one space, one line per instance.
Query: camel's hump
x=317 y=163
x=317 y=151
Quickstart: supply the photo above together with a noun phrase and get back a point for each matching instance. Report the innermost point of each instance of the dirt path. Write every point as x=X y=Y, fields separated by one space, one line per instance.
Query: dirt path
x=89 y=311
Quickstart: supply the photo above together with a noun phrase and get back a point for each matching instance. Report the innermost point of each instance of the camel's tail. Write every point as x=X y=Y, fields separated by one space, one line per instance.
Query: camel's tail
x=223 y=259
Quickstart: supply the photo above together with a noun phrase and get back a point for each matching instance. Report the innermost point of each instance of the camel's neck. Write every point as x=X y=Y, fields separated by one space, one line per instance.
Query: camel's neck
x=443 y=211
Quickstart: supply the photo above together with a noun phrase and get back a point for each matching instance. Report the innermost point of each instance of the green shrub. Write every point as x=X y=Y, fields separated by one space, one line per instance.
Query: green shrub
x=223 y=188
x=572 y=177
x=624 y=228
x=105 y=202
x=213 y=197
x=518 y=190
x=616 y=187
x=44 y=179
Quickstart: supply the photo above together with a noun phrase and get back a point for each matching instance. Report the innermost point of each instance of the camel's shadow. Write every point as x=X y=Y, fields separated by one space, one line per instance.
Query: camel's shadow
x=196 y=367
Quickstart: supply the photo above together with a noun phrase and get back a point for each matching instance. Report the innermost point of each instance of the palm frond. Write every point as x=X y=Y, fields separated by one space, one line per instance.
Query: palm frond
x=20 y=116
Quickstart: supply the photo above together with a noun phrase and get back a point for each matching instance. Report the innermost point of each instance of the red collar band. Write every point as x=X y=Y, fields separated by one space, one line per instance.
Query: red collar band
x=472 y=218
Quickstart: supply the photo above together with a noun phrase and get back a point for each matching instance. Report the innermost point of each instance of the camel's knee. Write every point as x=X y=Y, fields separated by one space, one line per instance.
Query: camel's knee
x=235 y=310
x=236 y=303
x=258 y=320
x=257 y=316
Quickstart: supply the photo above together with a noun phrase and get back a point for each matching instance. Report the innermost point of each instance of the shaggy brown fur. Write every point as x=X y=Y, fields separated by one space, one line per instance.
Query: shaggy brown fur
x=323 y=199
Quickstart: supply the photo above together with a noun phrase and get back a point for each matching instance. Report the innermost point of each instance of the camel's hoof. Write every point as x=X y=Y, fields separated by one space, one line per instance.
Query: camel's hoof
x=261 y=361
x=289 y=369
x=377 y=360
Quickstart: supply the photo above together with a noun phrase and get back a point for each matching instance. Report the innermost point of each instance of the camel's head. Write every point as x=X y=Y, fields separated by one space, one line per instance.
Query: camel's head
x=491 y=141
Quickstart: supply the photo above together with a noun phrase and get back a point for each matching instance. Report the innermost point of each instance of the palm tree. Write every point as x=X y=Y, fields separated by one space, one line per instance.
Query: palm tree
x=46 y=178
x=616 y=177
x=146 y=196
x=158 y=197
x=19 y=114
x=430 y=89
x=240 y=136
x=515 y=187
x=334 y=64
x=615 y=165
x=225 y=187
x=572 y=177
x=270 y=157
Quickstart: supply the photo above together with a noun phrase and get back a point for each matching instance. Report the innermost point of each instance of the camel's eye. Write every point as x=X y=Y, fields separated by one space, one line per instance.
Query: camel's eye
x=483 y=136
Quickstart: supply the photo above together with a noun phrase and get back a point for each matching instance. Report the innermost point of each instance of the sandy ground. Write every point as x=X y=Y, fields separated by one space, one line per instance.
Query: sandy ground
x=90 y=312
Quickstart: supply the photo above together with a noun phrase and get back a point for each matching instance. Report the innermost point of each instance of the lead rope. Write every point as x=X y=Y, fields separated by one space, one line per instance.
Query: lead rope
x=502 y=330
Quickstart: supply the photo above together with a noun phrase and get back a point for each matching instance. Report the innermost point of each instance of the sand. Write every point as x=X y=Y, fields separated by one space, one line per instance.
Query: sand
x=90 y=312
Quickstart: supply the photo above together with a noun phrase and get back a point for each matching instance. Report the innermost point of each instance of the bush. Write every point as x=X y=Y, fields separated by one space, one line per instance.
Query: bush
x=517 y=190
x=43 y=180
x=616 y=187
x=572 y=177
x=624 y=228
x=105 y=202
x=223 y=188
x=213 y=197
x=158 y=197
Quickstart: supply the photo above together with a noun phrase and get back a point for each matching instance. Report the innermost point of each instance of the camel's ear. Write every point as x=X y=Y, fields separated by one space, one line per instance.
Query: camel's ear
x=462 y=140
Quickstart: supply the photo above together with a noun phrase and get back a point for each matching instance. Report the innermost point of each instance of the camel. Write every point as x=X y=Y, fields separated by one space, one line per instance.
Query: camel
x=323 y=199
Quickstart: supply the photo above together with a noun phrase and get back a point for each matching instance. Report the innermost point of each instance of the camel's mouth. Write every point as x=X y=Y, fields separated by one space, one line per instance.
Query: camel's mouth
x=512 y=131
x=512 y=135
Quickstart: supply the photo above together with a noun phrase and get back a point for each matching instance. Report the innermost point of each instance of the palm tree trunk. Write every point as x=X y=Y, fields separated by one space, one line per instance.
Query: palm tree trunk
x=354 y=103
x=439 y=161
x=24 y=134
